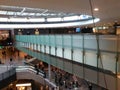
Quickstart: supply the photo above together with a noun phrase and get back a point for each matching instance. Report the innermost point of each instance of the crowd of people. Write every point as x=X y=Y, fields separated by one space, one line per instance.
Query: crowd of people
x=64 y=79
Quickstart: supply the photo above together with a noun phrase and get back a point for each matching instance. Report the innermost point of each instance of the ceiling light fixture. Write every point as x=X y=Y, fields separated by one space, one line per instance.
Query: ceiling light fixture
x=48 y=25
x=96 y=9
x=25 y=84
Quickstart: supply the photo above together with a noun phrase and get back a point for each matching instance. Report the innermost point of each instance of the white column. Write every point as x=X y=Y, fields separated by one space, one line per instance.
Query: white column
x=49 y=72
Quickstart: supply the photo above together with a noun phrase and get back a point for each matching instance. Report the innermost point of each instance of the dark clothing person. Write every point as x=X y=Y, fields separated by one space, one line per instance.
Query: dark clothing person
x=10 y=59
x=37 y=70
x=90 y=87
x=0 y=62
x=44 y=75
x=3 y=53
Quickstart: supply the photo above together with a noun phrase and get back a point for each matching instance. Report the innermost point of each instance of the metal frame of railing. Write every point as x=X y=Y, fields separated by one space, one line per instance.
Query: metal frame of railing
x=32 y=69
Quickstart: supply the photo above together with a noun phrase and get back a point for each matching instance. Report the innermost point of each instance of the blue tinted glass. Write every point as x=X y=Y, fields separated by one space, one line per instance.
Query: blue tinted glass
x=77 y=29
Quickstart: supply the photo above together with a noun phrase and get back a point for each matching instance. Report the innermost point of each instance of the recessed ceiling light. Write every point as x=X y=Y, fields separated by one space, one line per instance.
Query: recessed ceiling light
x=25 y=84
x=96 y=9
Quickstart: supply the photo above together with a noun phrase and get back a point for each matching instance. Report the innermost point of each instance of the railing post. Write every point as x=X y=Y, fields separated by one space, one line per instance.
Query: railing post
x=49 y=71
x=117 y=58
x=83 y=55
x=72 y=54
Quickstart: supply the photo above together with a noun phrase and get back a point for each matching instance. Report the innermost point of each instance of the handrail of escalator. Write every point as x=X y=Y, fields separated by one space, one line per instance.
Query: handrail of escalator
x=29 y=68
x=32 y=68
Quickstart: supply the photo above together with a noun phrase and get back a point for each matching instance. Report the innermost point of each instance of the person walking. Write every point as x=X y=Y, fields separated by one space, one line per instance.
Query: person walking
x=0 y=61
x=90 y=86
x=11 y=61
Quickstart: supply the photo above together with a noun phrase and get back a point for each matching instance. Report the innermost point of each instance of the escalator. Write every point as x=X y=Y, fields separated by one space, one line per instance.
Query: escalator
x=7 y=77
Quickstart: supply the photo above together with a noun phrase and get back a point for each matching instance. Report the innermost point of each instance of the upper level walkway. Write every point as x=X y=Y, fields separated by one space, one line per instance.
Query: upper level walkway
x=24 y=71
x=92 y=57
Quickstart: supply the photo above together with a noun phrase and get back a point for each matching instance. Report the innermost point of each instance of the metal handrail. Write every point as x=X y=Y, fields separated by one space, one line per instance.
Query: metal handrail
x=32 y=69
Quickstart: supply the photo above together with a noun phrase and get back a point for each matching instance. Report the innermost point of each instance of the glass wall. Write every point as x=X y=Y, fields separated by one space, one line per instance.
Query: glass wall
x=96 y=52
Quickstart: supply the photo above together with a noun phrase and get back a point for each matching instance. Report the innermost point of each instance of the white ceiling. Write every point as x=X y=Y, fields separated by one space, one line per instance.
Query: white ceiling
x=108 y=9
